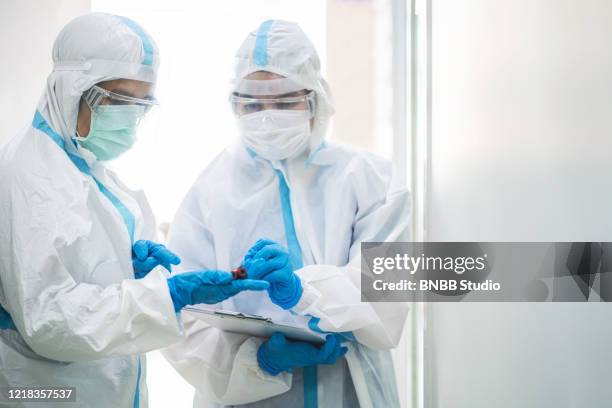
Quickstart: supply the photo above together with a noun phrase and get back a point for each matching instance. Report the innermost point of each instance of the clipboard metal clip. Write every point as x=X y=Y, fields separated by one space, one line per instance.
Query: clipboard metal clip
x=243 y=315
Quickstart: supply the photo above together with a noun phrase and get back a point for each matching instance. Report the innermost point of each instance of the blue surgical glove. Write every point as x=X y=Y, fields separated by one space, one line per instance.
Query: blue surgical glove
x=278 y=354
x=192 y=288
x=146 y=255
x=258 y=246
x=269 y=261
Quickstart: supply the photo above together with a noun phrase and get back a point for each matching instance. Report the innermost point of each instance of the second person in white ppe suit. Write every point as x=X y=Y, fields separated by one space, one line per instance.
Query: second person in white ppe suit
x=73 y=238
x=283 y=181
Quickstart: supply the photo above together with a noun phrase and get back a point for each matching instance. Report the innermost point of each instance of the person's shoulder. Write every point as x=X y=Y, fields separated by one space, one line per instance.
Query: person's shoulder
x=32 y=161
x=358 y=161
x=28 y=149
x=19 y=156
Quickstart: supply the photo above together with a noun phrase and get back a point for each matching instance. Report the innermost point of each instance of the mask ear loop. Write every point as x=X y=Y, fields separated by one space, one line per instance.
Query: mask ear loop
x=91 y=113
x=88 y=96
x=312 y=103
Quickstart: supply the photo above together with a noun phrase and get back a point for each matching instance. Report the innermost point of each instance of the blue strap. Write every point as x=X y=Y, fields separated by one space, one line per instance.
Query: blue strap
x=147 y=46
x=260 y=53
x=293 y=244
x=311 y=399
x=137 y=396
x=295 y=254
x=128 y=217
x=313 y=324
x=41 y=124
x=6 y=322
x=316 y=151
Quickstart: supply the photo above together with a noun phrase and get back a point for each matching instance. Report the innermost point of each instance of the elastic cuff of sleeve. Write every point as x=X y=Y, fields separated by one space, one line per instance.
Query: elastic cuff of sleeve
x=178 y=305
x=308 y=300
x=160 y=282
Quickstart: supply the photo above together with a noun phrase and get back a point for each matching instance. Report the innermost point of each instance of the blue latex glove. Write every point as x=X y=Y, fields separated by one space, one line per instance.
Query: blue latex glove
x=278 y=354
x=259 y=245
x=269 y=261
x=146 y=255
x=209 y=287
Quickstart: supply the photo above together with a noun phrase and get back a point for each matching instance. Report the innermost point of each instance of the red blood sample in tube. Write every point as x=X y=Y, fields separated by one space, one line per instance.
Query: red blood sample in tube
x=239 y=273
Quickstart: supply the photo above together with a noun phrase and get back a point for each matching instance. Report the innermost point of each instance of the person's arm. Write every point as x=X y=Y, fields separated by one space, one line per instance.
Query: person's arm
x=43 y=238
x=332 y=293
x=220 y=365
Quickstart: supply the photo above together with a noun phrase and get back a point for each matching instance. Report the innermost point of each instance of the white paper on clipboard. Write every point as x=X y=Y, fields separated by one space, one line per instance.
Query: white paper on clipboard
x=254 y=325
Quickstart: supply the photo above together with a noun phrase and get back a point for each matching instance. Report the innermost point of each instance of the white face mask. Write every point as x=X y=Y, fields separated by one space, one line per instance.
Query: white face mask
x=276 y=134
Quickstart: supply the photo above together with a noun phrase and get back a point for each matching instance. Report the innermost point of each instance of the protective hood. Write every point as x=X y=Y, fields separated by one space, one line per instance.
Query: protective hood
x=281 y=47
x=93 y=48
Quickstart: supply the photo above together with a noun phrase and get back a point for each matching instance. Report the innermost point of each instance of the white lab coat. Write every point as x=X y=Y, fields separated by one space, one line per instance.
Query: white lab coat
x=339 y=198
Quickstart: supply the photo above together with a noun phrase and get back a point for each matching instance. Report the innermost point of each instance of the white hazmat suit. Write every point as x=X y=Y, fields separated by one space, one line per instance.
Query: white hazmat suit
x=328 y=199
x=67 y=225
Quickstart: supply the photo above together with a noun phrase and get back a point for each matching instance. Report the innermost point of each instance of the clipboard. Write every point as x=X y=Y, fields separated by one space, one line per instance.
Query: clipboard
x=258 y=326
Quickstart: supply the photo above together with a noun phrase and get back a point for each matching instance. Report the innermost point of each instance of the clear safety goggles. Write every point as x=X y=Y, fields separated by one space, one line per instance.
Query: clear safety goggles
x=96 y=96
x=242 y=105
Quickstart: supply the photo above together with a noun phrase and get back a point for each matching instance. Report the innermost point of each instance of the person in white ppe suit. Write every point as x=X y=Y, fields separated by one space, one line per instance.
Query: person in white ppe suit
x=82 y=294
x=284 y=182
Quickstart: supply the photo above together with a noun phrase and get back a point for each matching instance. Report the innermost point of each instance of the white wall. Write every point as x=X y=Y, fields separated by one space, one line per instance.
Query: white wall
x=520 y=150
x=28 y=29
